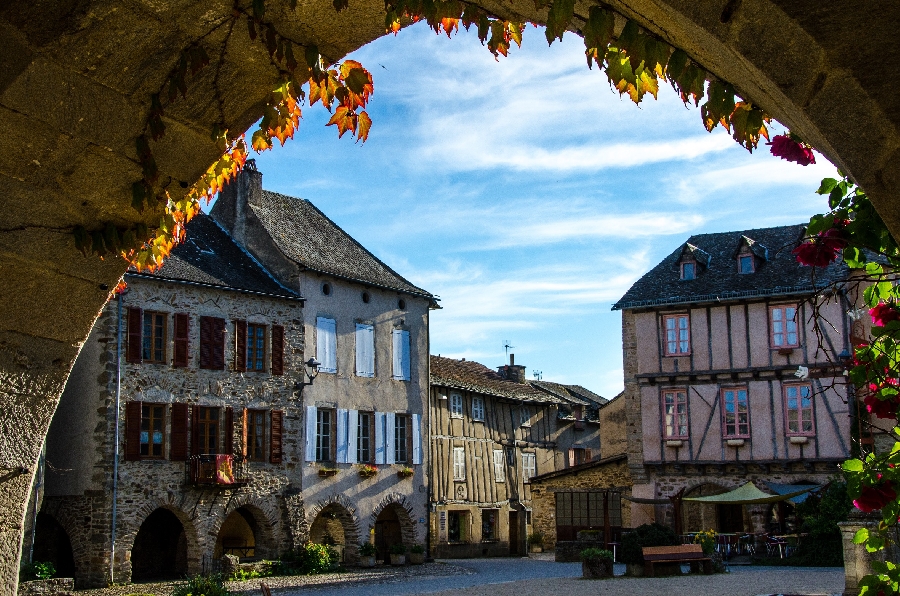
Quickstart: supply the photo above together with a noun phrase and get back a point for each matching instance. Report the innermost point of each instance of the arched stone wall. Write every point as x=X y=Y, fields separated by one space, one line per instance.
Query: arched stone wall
x=72 y=162
x=398 y=503
x=268 y=523
x=131 y=524
x=76 y=518
x=344 y=513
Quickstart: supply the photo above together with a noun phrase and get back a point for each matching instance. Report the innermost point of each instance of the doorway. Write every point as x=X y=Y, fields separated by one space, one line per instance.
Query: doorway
x=160 y=548
x=514 y=532
x=387 y=532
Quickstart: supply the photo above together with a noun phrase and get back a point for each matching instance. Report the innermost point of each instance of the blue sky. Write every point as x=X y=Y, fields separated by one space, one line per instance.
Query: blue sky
x=527 y=194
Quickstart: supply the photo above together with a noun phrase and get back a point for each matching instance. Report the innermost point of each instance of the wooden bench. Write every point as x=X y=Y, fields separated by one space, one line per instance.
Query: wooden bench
x=683 y=553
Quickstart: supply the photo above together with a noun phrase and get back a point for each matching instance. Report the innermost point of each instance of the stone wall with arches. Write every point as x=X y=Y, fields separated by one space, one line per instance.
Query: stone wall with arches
x=400 y=505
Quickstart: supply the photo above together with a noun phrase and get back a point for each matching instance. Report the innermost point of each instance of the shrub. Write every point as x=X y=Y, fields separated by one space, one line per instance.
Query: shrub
x=37 y=570
x=367 y=549
x=536 y=539
x=646 y=535
x=706 y=540
x=201 y=585
x=417 y=549
x=240 y=575
x=398 y=549
x=596 y=554
x=821 y=514
x=309 y=559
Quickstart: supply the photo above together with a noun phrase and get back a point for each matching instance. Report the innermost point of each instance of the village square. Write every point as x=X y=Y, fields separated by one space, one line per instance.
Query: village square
x=277 y=362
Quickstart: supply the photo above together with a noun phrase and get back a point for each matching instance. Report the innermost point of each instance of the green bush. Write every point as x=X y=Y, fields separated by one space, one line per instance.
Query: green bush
x=596 y=554
x=367 y=549
x=821 y=514
x=309 y=559
x=417 y=549
x=646 y=535
x=398 y=549
x=202 y=585
x=37 y=570
x=536 y=539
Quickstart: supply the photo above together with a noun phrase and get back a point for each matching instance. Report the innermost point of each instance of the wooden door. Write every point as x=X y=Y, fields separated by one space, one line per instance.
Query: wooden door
x=514 y=532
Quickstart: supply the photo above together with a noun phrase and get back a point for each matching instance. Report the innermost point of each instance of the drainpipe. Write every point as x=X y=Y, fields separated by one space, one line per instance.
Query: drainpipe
x=115 y=475
x=427 y=442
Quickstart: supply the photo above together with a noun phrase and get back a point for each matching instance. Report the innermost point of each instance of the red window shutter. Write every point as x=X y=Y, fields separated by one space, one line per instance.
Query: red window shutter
x=179 y=450
x=218 y=343
x=133 y=428
x=277 y=350
x=275 y=434
x=133 y=352
x=587 y=456
x=229 y=431
x=195 y=430
x=244 y=437
x=181 y=339
x=240 y=346
x=206 y=333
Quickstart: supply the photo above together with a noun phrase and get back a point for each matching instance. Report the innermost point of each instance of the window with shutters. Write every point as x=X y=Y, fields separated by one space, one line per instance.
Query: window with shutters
x=735 y=413
x=208 y=430
x=529 y=466
x=326 y=345
x=456 y=405
x=400 y=340
x=579 y=455
x=525 y=416
x=783 y=324
x=675 y=413
x=459 y=463
x=256 y=435
x=478 y=408
x=401 y=438
x=153 y=424
x=153 y=337
x=256 y=347
x=499 y=466
x=324 y=433
x=365 y=350
x=364 y=437
x=677 y=335
x=212 y=343
x=798 y=410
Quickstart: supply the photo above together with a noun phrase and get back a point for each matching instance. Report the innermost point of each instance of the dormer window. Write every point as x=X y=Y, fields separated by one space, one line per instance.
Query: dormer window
x=688 y=270
x=746 y=264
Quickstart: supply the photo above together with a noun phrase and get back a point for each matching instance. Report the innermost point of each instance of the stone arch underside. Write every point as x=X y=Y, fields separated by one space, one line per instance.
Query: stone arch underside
x=75 y=82
x=334 y=520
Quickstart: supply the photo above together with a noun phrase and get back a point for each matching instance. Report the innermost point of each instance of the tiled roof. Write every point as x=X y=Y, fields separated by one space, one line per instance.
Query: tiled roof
x=580 y=468
x=209 y=256
x=777 y=271
x=476 y=377
x=575 y=394
x=305 y=235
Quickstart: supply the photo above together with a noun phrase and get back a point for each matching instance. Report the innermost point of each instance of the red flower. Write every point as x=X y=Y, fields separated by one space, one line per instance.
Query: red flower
x=884 y=314
x=881 y=408
x=875 y=497
x=785 y=147
x=815 y=254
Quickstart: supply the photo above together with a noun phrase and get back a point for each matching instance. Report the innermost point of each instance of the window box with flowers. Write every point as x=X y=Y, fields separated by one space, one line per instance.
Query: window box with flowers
x=405 y=472
x=367 y=471
x=327 y=472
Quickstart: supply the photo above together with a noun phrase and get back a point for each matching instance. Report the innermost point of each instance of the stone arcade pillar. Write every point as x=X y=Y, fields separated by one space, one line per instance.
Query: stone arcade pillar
x=858 y=561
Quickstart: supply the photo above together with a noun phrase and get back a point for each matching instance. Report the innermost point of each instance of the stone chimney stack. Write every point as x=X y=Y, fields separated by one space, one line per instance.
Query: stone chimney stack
x=232 y=206
x=512 y=371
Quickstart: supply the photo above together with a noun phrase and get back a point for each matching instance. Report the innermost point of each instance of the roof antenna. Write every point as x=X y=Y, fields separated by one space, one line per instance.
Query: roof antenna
x=538 y=374
x=507 y=346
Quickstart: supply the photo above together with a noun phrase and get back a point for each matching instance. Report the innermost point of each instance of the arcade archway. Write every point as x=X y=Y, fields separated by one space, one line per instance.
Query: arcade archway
x=160 y=548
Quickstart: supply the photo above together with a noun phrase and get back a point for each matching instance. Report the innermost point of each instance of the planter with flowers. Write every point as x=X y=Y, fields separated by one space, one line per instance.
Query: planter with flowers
x=367 y=471
x=327 y=472
x=366 y=554
x=405 y=472
x=398 y=554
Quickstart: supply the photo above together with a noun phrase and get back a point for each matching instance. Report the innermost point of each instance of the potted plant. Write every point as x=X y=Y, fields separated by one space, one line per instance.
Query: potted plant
x=405 y=472
x=707 y=541
x=646 y=535
x=536 y=542
x=367 y=471
x=326 y=472
x=366 y=554
x=398 y=554
x=596 y=563
x=416 y=554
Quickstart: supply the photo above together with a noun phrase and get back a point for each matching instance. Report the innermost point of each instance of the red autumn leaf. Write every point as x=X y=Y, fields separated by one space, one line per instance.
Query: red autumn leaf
x=365 y=123
x=345 y=119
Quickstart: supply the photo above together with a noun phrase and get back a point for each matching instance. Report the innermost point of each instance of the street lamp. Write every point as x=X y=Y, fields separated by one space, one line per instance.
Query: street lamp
x=312 y=371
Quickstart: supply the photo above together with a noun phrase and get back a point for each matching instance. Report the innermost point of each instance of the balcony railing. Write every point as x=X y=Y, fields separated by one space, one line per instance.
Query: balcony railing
x=211 y=469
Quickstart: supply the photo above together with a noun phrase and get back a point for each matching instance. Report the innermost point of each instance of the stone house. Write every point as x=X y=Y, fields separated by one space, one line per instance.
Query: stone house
x=491 y=432
x=224 y=446
x=714 y=337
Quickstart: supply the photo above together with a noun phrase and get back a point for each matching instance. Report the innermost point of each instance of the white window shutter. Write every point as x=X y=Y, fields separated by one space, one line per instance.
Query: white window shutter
x=404 y=354
x=326 y=345
x=310 y=433
x=365 y=350
x=390 y=421
x=352 y=435
x=397 y=353
x=379 y=437
x=417 y=438
x=341 y=456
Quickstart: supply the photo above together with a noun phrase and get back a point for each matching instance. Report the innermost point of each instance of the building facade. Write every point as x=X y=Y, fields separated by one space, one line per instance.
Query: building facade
x=728 y=379
x=491 y=432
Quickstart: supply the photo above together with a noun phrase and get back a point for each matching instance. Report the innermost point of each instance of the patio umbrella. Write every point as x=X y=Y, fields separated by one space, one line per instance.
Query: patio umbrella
x=748 y=494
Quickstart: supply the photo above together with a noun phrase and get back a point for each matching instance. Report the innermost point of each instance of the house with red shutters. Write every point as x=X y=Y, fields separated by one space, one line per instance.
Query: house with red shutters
x=729 y=380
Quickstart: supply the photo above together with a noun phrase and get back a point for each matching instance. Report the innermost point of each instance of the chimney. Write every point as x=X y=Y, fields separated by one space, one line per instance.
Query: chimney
x=512 y=371
x=232 y=205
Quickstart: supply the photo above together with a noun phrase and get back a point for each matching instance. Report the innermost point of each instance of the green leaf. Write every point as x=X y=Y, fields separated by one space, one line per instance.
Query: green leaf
x=558 y=18
x=874 y=543
x=834 y=197
x=861 y=536
x=852 y=465
x=826 y=186
x=598 y=33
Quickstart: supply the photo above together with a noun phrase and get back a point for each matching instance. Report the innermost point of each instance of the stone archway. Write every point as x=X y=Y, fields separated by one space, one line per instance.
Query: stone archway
x=262 y=520
x=166 y=535
x=334 y=522
x=697 y=517
x=392 y=523
x=68 y=162
x=52 y=544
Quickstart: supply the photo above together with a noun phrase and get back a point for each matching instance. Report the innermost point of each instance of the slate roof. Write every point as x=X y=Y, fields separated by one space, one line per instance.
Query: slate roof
x=580 y=468
x=306 y=235
x=209 y=256
x=473 y=376
x=574 y=394
x=777 y=271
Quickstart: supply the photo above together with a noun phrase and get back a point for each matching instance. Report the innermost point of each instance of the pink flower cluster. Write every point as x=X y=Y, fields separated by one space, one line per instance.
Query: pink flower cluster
x=785 y=147
x=824 y=248
x=884 y=313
